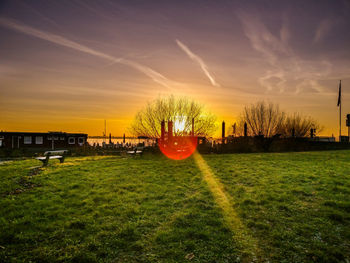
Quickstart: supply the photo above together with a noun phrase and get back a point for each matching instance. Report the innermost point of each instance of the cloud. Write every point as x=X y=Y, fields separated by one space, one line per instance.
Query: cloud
x=62 y=41
x=262 y=39
x=284 y=31
x=285 y=70
x=322 y=30
x=198 y=60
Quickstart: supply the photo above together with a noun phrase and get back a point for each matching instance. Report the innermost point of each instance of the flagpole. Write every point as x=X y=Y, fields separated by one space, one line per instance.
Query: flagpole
x=340 y=111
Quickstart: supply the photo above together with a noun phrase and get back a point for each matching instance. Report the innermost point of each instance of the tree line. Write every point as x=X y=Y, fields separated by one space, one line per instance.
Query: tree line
x=268 y=120
x=262 y=119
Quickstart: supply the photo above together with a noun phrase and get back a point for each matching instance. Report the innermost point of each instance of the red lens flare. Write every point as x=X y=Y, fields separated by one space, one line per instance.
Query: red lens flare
x=178 y=147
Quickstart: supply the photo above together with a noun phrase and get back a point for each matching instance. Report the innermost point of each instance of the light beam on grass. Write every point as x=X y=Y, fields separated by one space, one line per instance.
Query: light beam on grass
x=246 y=242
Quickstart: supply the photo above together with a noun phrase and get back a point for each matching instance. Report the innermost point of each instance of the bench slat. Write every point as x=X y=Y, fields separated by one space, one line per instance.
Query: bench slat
x=51 y=157
x=133 y=152
x=56 y=157
x=55 y=152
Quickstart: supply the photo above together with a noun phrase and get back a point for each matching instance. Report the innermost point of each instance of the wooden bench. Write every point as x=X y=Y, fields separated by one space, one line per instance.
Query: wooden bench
x=137 y=150
x=52 y=155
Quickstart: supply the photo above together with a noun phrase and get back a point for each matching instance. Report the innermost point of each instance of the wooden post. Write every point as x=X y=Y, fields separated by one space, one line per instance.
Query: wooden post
x=223 y=132
x=162 y=130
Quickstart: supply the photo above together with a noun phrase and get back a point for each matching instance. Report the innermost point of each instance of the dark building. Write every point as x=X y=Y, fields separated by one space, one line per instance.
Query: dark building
x=49 y=140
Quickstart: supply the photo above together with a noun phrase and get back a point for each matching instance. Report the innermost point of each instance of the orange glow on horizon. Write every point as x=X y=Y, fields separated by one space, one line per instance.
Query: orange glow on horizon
x=81 y=66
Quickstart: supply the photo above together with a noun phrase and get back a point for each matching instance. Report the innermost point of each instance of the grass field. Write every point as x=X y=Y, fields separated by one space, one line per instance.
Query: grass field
x=278 y=207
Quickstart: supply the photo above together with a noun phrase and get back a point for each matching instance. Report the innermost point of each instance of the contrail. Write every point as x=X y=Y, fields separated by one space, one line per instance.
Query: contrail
x=197 y=59
x=62 y=41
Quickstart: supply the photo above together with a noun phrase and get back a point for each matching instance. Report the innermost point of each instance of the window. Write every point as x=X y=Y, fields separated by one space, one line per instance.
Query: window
x=0 y=143
x=81 y=140
x=62 y=138
x=71 y=140
x=27 y=140
x=39 y=140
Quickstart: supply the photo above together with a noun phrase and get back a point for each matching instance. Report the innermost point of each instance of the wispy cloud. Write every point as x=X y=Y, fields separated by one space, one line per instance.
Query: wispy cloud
x=198 y=60
x=285 y=69
x=322 y=30
x=284 y=31
x=62 y=41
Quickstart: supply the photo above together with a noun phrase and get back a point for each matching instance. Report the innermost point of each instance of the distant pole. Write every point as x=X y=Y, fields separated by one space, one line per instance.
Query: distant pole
x=110 y=138
x=162 y=130
x=348 y=124
x=105 y=132
x=223 y=132
x=245 y=129
x=234 y=130
x=124 y=138
x=339 y=105
x=340 y=118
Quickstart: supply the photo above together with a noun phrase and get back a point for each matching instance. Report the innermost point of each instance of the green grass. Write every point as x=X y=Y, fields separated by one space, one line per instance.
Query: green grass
x=295 y=206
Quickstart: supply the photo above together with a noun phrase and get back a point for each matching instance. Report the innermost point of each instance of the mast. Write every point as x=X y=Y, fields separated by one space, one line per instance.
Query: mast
x=105 y=133
x=340 y=111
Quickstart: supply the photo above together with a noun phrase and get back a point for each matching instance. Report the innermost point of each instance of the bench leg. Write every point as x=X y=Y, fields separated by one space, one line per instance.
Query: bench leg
x=62 y=159
x=45 y=162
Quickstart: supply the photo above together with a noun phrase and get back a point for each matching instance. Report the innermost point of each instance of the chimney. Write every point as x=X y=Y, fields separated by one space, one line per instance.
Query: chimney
x=170 y=130
x=192 y=126
x=162 y=130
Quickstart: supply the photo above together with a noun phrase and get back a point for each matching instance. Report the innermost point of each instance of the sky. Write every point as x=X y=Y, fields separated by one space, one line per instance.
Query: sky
x=69 y=65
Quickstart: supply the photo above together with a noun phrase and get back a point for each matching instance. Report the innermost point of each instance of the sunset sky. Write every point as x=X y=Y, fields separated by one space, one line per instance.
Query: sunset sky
x=68 y=65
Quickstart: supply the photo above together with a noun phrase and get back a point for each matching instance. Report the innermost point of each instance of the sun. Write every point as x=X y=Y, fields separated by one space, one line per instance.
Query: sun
x=176 y=143
x=179 y=124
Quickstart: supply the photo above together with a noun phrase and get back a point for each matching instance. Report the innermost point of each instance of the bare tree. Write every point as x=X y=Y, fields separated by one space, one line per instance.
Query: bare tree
x=180 y=110
x=268 y=120
x=298 y=125
x=262 y=118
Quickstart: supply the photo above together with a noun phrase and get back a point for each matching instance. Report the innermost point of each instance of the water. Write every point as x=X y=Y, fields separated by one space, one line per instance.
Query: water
x=132 y=141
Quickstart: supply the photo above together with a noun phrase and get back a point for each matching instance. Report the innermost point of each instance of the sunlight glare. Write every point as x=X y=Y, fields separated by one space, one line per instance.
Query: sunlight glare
x=179 y=124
